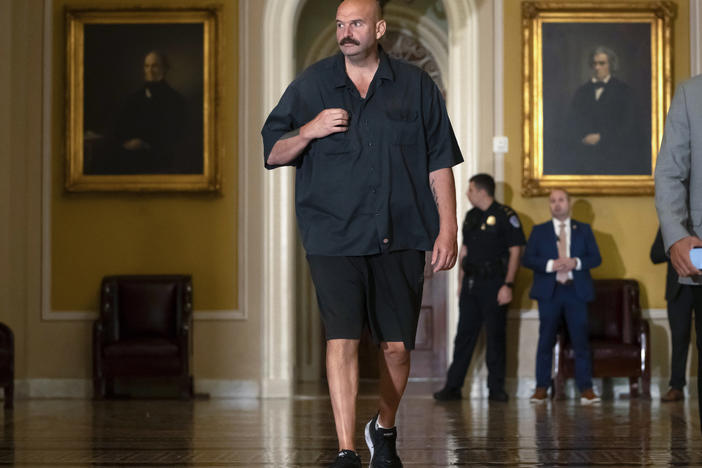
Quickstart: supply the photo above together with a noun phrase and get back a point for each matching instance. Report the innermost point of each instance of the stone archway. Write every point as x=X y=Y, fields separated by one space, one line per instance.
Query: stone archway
x=281 y=16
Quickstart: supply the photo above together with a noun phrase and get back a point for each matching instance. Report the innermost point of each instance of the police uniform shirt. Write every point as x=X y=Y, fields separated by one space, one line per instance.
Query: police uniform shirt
x=366 y=190
x=489 y=234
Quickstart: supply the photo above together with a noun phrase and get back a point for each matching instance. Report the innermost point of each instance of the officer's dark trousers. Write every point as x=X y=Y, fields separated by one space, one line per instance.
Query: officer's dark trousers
x=697 y=300
x=478 y=305
x=680 y=321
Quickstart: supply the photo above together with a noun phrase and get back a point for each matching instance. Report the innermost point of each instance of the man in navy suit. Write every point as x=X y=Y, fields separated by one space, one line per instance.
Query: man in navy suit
x=561 y=252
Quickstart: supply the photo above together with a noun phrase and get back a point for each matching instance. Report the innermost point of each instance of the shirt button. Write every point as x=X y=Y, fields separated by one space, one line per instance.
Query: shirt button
x=370 y=144
x=386 y=240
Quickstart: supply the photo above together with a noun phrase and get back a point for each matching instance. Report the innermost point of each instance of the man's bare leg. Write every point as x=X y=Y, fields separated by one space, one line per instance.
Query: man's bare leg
x=394 y=362
x=342 y=374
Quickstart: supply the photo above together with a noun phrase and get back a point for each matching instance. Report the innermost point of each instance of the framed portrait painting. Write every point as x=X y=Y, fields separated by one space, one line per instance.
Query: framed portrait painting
x=141 y=100
x=597 y=86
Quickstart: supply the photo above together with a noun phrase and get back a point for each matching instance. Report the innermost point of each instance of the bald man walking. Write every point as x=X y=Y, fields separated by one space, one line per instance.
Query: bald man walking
x=373 y=148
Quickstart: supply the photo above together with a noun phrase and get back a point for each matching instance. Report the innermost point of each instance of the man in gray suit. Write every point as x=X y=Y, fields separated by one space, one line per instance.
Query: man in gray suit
x=679 y=192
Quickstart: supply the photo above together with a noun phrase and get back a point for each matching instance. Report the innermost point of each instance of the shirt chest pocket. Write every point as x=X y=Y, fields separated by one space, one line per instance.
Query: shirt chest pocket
x=336 y=143
x=403 y=126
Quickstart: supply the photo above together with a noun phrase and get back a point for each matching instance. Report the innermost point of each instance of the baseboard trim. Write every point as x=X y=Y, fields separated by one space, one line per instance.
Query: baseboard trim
x=216 y=388
x=88 y=316
x=533 y=314
x=616 y=387
x=83 y=388
x=519 y=388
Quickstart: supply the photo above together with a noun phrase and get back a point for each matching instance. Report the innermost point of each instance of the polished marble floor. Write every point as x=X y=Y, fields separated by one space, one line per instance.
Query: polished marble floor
x=299 y=432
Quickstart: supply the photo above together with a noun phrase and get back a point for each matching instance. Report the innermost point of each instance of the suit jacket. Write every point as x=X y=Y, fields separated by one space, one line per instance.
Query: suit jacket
x=616 y=117
x=542 y=246
x=679 y=168
x=672 y=286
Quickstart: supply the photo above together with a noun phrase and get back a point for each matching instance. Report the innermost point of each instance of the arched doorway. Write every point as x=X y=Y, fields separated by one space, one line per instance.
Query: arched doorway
x=279 y=303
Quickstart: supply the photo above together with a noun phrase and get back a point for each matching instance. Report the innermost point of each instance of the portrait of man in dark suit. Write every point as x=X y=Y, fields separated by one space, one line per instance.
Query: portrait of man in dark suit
x=597 y=99
x=143 y=99
x=604 y=129
x=151 y=126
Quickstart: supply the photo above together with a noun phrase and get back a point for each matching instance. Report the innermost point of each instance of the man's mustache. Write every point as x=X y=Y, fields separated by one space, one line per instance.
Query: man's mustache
x=349 y=40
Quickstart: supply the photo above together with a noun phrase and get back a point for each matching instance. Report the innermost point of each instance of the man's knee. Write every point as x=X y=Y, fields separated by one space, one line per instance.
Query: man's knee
x=395 y=353
x=342 y=347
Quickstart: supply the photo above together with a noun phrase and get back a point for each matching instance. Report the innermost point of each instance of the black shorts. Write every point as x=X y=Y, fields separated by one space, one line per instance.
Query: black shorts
x=383 y=291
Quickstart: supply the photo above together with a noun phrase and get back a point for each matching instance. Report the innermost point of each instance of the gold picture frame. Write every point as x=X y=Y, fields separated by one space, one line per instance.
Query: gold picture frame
x=141 y=100
x=588 y=141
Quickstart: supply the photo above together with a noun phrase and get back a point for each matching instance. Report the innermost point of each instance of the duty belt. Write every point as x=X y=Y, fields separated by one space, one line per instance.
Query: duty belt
x=485 y=270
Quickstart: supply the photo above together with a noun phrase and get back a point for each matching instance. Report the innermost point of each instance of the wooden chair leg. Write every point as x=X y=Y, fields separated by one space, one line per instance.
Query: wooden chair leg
x=186 y=388
x=646 y=385
x=109 y=387
x=633 y=387
x=99 y=388
x=9 y=395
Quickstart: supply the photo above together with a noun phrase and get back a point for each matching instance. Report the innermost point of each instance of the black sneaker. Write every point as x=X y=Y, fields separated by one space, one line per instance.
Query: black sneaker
x=346 y=459
x=448 y=394
x=498 y=395
x=381 y=443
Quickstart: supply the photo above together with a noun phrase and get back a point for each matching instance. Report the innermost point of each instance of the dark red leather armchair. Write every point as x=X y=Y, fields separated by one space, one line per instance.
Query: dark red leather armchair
x=619 y=339
x=144 y=331
x=7 y=364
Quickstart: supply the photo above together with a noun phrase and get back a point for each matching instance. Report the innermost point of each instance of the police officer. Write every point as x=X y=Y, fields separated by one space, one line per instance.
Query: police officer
x=489 y=259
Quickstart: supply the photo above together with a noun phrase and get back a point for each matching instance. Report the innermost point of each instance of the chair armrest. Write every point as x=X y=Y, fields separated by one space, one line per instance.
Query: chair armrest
x=186 y=323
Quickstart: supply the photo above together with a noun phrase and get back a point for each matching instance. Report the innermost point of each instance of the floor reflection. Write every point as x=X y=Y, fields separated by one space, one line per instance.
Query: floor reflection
x=299 y=432
x=7 y=438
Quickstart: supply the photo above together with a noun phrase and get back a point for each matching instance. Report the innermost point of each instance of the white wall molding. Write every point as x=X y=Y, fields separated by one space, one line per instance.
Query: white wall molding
x=83 y=388
x=217 y=388
x=278 y=347
x=498 y=93
x=520 y=388
x=47 y=312
x=533 y=314
x=279 y=257
x=462 y=89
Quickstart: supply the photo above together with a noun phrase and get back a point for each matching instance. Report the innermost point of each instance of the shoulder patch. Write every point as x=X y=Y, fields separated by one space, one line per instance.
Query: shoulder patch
x=514 y=221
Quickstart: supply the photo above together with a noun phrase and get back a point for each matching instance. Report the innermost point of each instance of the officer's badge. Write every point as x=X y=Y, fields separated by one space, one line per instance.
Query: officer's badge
x=514 y=221
x=482 y=227
x=491 y=220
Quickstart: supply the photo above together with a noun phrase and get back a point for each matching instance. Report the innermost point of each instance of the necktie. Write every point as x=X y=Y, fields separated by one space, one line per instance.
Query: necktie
x=562 y=276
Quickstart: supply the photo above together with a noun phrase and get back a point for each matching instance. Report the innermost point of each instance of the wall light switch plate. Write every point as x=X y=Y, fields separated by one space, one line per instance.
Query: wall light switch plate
x=500 y=144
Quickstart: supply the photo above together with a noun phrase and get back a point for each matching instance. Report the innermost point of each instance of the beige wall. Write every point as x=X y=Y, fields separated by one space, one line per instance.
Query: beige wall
x=624 y=226
x=96 y=234
x=227 y=350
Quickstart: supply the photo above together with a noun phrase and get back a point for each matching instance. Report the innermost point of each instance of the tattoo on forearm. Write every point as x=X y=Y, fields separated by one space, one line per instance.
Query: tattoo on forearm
x=432 y=184
x=291 y=134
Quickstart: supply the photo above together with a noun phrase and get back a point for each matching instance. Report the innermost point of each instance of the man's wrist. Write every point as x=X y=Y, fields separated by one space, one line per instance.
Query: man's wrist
x=509 y=284
x=448 y=226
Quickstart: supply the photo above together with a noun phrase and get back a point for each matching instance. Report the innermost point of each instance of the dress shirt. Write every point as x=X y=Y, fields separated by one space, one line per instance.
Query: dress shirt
x=599 y=91
x=557 y=228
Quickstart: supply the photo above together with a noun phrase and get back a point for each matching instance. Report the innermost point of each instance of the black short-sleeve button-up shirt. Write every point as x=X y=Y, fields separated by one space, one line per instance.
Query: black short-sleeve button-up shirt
x=366 y=190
